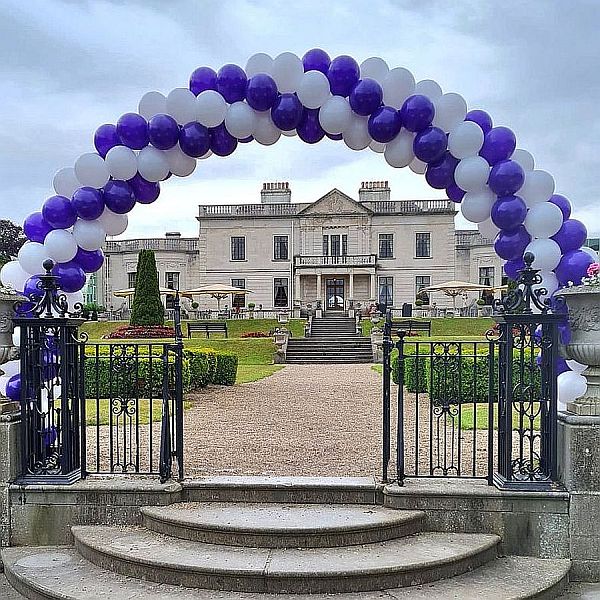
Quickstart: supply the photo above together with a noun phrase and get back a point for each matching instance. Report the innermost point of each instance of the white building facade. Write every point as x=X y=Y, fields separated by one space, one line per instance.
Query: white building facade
x=337 y=252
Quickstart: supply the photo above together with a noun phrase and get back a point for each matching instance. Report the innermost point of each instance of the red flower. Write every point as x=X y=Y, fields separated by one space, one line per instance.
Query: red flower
x=593 y=270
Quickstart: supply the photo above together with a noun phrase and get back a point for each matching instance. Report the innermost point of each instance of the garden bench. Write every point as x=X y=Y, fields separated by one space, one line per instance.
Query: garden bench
x=207 y=328
x=410 y=326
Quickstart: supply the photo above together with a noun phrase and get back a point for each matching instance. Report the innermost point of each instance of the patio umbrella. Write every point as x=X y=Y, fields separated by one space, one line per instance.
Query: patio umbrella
x=163 y=292
x=454 y=288
x=219 y=291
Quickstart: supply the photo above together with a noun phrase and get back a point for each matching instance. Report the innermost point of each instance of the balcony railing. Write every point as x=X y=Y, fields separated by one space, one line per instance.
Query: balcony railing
x=172 y=244
x=351 y=260
x=471 y=238
x=250 y=210
x=409 y=207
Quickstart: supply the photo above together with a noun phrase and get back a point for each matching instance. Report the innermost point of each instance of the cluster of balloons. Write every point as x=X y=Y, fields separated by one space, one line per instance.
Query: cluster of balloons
x=365 y=105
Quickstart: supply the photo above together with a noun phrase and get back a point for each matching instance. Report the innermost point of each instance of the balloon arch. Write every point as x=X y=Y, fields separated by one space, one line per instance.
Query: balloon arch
x=369 y=105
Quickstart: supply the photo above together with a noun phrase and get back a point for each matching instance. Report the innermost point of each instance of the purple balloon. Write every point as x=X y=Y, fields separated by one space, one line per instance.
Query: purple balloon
x=36 y=228
x=498 y=144
x=343 y=75
x=194 y=139
x=564 y=333
x=105 y=138
x=203 y=78
x=481 y=118
x=118 y=196
x=71 y=277
x=31 y=289
x=506 y=178
x=573 y=267
x=509 y=212
x=163 y=131
x=417 y=112
x=287 y=112
x=384 y=124
x=563 y=204
x=316 y=60
x=133 y=131
x=13 y=388
x=145 y=192
x=261 y=93
x=430 y=144
x=58 y=212
x=309 y=129
x=89 y=260
x=231 y=83
x=571 y=235
x=510 y=245
x=512 y=268
x=366 y=97
x=455 y=193
x=561 y=366
x=440 y=175
x=88 y=203
x=222 y=143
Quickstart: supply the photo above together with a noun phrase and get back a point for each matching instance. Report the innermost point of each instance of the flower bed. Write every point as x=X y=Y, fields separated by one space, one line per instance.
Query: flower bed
x=256 y=334
x=141 y=332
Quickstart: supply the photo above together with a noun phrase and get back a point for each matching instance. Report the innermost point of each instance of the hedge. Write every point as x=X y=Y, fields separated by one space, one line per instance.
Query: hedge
x=226 y=372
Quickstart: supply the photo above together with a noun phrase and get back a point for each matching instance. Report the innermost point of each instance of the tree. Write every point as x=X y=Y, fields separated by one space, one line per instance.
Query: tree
x=147 y=307
x=11 y=240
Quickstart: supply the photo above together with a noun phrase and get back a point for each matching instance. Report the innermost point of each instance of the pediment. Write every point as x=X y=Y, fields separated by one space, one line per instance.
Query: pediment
x=335 y=203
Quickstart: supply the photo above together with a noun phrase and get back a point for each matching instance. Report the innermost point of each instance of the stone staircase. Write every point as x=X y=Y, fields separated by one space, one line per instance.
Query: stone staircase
x=333 y=339
x=226 y=548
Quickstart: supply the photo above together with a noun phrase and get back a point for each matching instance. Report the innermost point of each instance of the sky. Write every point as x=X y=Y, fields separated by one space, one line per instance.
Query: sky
x=70 y=65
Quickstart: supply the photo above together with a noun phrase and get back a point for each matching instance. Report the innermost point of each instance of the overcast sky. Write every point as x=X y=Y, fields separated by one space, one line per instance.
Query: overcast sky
x=69 y=66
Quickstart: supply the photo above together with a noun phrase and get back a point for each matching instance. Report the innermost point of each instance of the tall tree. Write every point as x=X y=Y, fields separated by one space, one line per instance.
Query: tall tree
x=11 y=240
x=147 y=307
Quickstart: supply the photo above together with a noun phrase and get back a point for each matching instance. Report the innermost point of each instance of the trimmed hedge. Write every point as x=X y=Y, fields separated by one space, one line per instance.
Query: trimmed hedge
x=226 y=372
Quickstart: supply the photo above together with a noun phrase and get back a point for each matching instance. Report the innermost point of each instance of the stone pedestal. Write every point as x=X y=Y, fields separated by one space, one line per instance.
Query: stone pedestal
x=377 y=345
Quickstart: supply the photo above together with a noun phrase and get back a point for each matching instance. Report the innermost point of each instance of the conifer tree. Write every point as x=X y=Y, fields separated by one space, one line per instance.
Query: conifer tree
x=147 y=307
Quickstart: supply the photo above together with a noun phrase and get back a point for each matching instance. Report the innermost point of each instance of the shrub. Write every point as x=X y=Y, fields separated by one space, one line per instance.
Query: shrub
x=147 y=306
x=226 y=369
x=203 y=366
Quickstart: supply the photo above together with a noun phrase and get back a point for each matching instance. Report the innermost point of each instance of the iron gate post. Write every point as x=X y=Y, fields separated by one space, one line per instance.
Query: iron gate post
x=387 y=353
x=400 y=474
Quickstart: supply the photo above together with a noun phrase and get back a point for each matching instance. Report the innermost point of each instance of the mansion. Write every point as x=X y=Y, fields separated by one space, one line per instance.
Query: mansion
x=338 y=251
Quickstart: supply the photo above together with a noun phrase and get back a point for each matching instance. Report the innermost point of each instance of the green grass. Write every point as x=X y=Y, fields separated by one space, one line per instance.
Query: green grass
x=455 y=328
x=250 y=373
x=143 y=412
x=467 y=418
x=250 y=351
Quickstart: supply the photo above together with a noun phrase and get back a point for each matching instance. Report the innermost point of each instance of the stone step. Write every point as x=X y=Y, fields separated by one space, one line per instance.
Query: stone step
x=269 y=525
x=328 y=361
x=61 y=574
x=412 y=560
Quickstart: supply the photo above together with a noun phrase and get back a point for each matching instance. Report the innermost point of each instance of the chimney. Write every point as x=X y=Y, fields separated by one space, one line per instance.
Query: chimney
x=277 y=192
x=374 y=191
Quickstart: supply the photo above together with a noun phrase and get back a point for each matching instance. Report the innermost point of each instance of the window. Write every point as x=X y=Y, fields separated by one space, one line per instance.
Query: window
x=239 y=300
x=238 y=248
x=336 y=249
x=344 y=245
x=335 y=245
x=386 y=291
x=280 y=292
x=280 y=250
x=325 y=245
x=423 y=249
x=131 y=277
x=422 y=281
x=172 y=283
x=486 y=277
x=386 y=245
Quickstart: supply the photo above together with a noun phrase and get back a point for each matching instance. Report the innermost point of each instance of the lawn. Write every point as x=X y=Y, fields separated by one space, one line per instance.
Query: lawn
x=101 y=408
x=250 y=373
x=481 y=412
x=447 y=328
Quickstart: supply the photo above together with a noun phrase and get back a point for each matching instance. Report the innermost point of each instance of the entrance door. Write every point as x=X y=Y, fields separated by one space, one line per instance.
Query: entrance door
x=334 y=292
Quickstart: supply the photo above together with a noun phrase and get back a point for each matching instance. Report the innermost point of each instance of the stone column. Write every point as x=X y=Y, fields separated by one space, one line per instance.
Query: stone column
x=351 y=284
x=373 y=287
x=319 y=287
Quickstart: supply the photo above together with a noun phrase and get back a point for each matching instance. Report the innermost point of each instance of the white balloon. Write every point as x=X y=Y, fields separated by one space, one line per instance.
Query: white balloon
x=549 y=283
x=32 y=256
x=377 y=147
x=591 y=252
x=287 y=71
x=60 y=245
x=471 y=173
x=571 y=386
x=313 y=90
x=152 y=103
x=397 y=86
x=16 y=337
x=265 y=131
x=543 y=220
x=524 y=158
x=91 y=170
x=65 y=182
x=399 y=152
x=335 y=115
x=547 y=254
x=73 y=299
x=13 y=275
x=466 y=139
x=180 y=163
x=537 y=187
x=450 y=111
x=121 y=162
x=240 y=120
x=428 y=88
x=211 y=108
x=89 y=235
x=356 y=135
x=290 y=133
x=113 y=223
x=375 y=68
x=477 y=206
x=418 y=166
x=575 y=366
x=181 y=105
x=488 y=230
x=152 y=164
x=10 y=368
x=258 y=63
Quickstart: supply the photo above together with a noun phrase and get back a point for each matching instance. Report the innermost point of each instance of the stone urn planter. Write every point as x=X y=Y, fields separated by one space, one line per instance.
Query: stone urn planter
x=8 y=352
x=583 y=302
